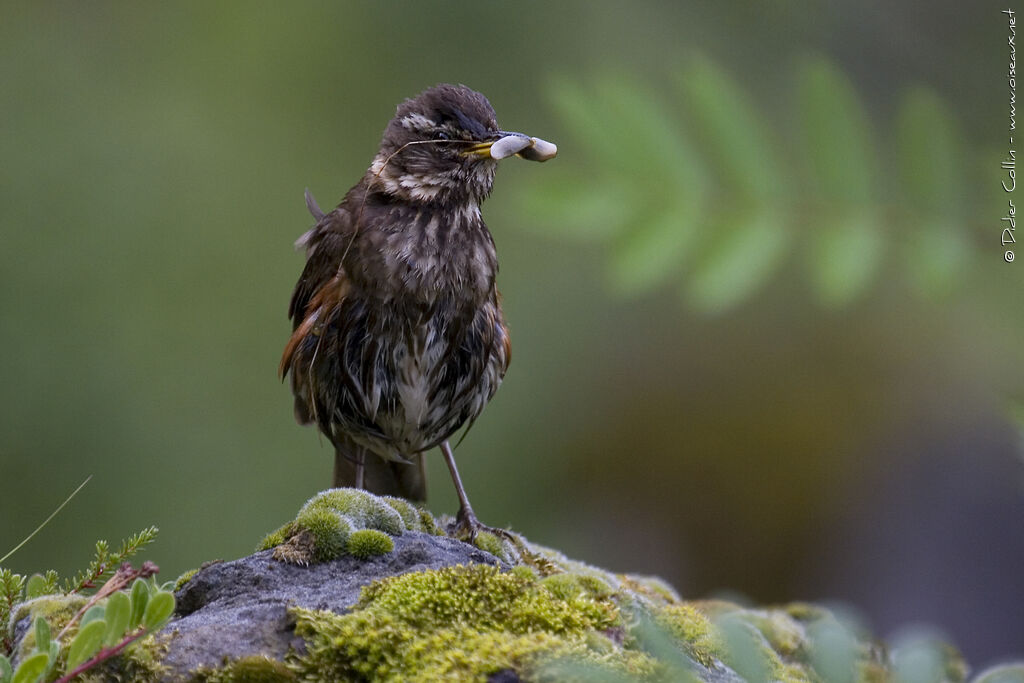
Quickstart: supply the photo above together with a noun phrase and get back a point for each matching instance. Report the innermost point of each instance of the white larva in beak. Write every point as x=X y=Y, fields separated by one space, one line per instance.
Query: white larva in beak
x=539 y=150
x=509 y=145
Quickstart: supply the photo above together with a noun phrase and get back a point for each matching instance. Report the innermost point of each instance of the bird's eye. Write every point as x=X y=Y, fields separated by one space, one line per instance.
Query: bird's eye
x=441 y=135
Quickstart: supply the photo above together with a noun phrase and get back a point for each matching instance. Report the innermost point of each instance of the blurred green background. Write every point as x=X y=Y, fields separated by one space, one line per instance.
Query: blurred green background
x=764 y=337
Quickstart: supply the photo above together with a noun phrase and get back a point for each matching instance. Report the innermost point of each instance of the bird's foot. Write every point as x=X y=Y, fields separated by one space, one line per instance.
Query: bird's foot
x=466 y=527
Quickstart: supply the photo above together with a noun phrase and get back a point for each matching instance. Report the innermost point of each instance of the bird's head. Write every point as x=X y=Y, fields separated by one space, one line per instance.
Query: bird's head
x=443 y=146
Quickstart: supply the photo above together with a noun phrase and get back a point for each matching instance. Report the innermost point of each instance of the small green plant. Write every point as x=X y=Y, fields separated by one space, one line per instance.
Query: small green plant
x=104 y=561
x=126 y=607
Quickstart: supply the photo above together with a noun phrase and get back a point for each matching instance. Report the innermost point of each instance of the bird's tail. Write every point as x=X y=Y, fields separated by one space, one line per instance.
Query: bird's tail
x=383 y=477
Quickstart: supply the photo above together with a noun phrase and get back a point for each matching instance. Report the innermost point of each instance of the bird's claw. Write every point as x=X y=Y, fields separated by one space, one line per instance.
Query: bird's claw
x=466 y=527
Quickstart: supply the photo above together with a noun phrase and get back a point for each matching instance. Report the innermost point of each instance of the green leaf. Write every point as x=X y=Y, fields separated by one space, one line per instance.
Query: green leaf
x=745 y=648
x=657 y=152
x=845 y=254
x=917 y=658
x=590 y=123
x=139 y=599
x=35 y=587
x=119 y=609
x=929 y=157
x=649 y=254
x=93 y=613
x=86 y=643
x=54 y=653
x=5 y=669
x=834 y=649
x=730 y=126
x=158 y=611
x=839 y=146
x=31 y=668
x=746 y=246
x=656 y=641
x=42 y=632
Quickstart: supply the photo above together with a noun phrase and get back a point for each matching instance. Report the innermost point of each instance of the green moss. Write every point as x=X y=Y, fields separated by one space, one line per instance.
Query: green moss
x=255 y=669
x=686 y=624
x=369 y=542
x=139 y=663
x=409 y=513
x=56 y=609
x=185 y=578
x=276 y=538
x=429 y=525
x=489 y=543
x=484 y=595
x=564 y=586
x=322 y=528
x=329 y=529
x=783 y=633
x=458 y=622
x=525 y=572
x=568 y=586
x=363 y=509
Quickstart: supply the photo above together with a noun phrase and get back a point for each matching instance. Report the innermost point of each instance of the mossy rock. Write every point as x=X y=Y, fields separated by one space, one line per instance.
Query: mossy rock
x=367 y=588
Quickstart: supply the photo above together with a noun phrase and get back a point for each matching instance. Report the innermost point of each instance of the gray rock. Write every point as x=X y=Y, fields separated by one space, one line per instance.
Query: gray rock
x=240 y=608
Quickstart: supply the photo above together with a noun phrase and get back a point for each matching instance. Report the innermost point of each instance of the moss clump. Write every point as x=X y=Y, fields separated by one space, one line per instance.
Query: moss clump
x=363 y=509
x=140 y=663
x=429 y=525
x=185 y=578
x=276 y=537
x=56 y=609
x=255 y=669
x=321 y=530
x=324 y=526
x=369 y=542
x=489 y=543
x=410 y=514
x=457 y=623
x=571 y=586
x=688 y=625
x=329 y=528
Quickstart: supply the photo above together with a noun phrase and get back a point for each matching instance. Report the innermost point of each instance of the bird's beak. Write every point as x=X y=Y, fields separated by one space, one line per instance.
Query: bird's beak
x=507 y=144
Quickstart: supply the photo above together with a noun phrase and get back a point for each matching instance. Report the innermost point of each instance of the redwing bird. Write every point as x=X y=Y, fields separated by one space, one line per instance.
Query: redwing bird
x=399 y=339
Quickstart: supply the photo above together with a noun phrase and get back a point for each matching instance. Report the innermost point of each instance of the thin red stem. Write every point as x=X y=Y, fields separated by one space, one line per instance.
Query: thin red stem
x=103 y=655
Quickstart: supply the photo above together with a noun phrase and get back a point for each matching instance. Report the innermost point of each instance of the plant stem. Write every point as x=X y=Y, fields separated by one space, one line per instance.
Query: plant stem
x=103 y=655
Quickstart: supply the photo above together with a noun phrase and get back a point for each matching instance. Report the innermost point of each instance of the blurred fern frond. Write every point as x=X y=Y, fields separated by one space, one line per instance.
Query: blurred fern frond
x=694 y=187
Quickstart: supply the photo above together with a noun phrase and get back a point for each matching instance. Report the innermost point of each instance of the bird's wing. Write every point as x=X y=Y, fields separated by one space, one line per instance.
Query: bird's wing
x=323 y=283
x=324 y=243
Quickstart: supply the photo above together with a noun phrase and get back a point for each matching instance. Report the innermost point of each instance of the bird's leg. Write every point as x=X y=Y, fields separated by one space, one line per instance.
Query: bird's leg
x=360 y=468
x=465 y=520
x=466 y=524
x=349 y=470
